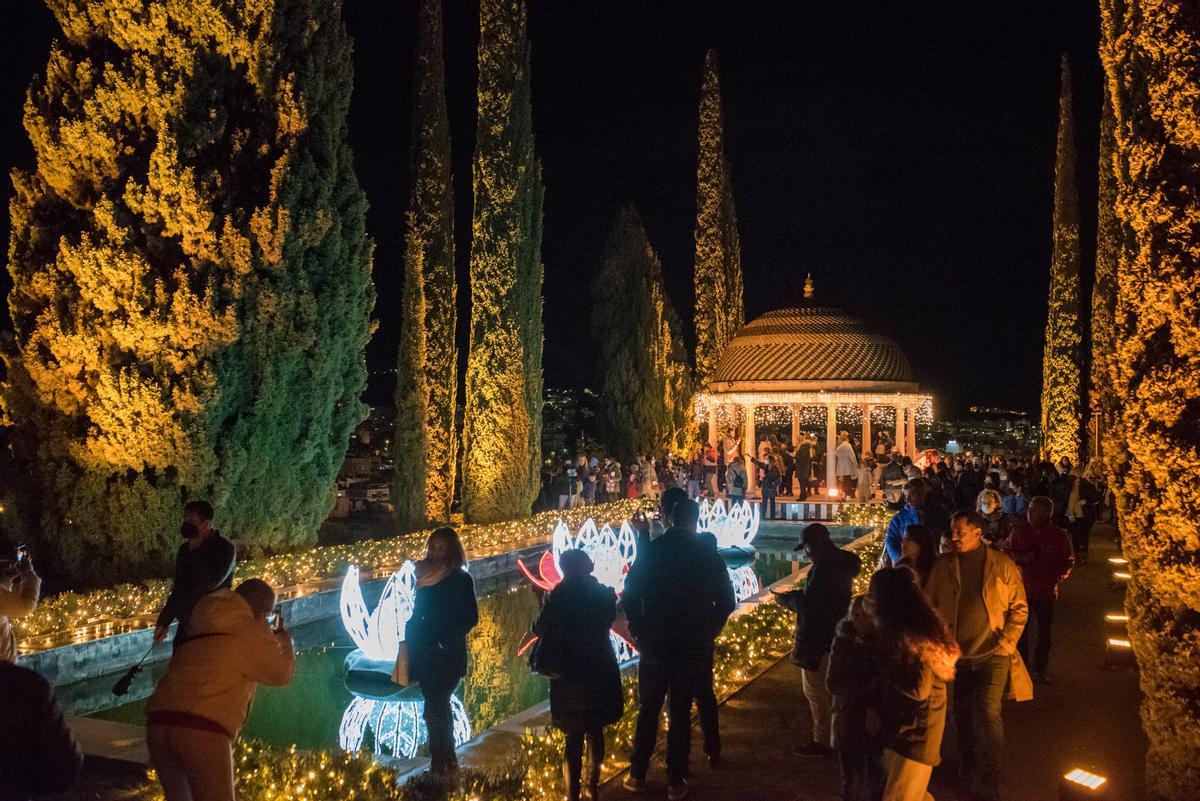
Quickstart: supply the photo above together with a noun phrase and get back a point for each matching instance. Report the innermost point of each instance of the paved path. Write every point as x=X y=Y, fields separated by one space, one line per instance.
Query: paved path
x=1088 y=717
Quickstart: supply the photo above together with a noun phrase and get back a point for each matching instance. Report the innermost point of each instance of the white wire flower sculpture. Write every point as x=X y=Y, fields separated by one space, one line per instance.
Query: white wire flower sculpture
x=735 y=526
x=378 y=634
x=397 y=725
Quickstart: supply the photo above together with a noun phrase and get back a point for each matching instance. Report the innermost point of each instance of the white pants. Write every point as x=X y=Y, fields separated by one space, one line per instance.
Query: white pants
x=819 y=701
x=907 y=780
x=192 y=765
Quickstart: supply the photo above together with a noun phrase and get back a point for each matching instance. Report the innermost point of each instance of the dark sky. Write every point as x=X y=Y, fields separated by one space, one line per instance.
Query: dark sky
x=901 y=152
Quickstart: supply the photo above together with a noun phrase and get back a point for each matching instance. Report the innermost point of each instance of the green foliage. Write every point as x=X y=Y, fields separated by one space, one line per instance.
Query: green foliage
x=427 y=365
x=1150 y=50
x=191 y=279
x=502 y=429
x=647 y=384
x=1061 y=360
x=720 y=308
x=1104 y=290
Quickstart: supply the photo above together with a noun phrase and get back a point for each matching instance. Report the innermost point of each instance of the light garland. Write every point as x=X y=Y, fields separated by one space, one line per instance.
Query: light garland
x=80 y=617
x=775 y=409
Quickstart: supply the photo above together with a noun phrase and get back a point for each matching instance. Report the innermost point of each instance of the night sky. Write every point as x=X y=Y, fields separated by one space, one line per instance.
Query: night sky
x=901 y=152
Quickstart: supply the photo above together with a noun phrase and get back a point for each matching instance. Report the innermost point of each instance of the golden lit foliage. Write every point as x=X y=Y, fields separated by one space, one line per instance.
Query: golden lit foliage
x=191 y=279
x=717 y=280
x=1104 y=291
x=646 y=381
x=426 y=444
x=1151 y=54
x=1061 y=360
x=503 y=424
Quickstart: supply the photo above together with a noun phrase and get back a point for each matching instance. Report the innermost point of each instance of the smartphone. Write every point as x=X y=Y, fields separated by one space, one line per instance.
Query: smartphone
x=276 y=616
x=22 y=554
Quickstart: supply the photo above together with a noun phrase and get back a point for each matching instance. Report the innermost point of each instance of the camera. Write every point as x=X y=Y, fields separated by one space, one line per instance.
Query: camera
x=571 y=472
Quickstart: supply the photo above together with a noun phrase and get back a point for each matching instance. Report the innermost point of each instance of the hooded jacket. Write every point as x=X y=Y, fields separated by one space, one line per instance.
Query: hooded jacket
x=853 y=680
x=915 y=673
x=227 y=651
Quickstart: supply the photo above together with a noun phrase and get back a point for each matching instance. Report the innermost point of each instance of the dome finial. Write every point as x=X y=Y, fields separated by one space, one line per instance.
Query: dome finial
x=808 y=287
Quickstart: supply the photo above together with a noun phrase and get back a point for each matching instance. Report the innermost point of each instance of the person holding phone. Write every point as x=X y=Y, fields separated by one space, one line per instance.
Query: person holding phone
x=20 y=587
x=236 y=640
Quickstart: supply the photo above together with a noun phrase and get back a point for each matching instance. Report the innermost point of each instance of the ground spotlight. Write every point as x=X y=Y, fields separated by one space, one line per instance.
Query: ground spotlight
x=1079 y=784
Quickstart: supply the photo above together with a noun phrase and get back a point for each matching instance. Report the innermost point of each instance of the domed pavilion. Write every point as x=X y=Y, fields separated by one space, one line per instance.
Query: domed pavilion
x=813 y=356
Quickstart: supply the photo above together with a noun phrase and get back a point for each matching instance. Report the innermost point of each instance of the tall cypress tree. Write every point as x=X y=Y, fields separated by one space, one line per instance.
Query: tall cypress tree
x=426 y=375
x=647 y=384
x=1061 y=360
x=502 y=429
x=1104 y=291
x=191 y=274
x=718 y=270
x=1150 y=51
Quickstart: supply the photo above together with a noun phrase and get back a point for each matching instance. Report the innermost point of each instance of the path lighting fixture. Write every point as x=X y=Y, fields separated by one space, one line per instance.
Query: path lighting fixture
x=1119 y=642
x=1082 y=784
x=1116 y=617
x=1121 y=575
x=832 y=492
x=1118 y=560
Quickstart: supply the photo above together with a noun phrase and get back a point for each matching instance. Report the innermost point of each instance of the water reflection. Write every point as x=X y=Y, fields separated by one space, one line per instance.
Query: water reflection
x=396 y=725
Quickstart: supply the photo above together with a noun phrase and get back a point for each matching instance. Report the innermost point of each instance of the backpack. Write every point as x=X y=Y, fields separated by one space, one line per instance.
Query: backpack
x=739 y=481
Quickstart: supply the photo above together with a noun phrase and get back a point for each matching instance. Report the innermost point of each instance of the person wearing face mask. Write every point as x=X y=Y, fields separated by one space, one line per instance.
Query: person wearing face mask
x=203 y=564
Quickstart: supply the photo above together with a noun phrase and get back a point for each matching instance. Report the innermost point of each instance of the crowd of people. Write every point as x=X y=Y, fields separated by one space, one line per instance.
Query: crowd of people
x=961 y=604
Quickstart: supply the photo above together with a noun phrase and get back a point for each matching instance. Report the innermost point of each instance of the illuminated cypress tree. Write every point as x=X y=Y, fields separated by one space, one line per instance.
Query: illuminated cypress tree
x=1150 y=51
x=191 y=276
x=426 y=375
x=718 y=272
x=502 y=429
x=1061 y=367
x=647 y=386
x=1104 y=291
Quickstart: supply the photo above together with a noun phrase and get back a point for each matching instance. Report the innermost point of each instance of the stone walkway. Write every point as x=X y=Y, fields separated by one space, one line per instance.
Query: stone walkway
x=1088 y=717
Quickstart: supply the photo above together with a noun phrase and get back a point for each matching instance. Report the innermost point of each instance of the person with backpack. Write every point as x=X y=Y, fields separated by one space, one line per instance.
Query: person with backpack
x=585 y=681
x=735 y=482
x=771 y=476
x=854 y=683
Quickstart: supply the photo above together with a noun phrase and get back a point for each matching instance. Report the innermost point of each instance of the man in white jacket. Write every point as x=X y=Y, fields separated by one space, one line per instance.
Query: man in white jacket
x=203 y=701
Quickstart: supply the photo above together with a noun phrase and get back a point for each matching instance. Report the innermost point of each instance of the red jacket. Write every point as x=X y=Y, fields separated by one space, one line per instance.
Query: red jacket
x=1045 y=556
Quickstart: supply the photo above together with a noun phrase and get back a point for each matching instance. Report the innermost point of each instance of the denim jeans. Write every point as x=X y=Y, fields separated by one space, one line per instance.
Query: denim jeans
x=767 y=512
x=439 y=721
x=658 y=677
x=1041 y=619
x=978 y=690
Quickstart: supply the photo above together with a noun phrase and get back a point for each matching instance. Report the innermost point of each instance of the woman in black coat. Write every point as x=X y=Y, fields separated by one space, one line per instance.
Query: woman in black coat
x=586 y=696
x=436 y=638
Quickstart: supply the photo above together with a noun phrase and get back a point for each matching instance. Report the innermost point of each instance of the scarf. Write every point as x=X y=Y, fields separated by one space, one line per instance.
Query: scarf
x=430 y=573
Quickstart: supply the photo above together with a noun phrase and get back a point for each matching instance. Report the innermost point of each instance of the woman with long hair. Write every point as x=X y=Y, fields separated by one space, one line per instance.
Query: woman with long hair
x=918 y=551
x=585 y=695
x=444 y=611
x=917 y=654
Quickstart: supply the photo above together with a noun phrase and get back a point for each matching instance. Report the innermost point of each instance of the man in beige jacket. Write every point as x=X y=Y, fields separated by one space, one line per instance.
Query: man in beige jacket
x=19 y=589
x=979 y=592
x=204 y=699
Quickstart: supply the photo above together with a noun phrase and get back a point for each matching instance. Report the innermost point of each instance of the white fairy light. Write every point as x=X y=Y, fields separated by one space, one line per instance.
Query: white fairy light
x=378 y=634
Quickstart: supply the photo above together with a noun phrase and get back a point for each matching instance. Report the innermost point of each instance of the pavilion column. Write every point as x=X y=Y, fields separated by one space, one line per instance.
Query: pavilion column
x=830 y=449
x=795 y=424
x=911 y=430
x=712 y=423
x=901 y=439
x=750 y=451
x=866 y=430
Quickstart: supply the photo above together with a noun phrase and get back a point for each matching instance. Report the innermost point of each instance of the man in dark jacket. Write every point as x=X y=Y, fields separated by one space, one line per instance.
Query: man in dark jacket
x=37 y=752
x=818 y=607
x=676 y=599
x=204 y=563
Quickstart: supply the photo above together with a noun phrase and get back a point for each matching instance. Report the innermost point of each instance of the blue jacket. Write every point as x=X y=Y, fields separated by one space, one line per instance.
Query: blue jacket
x=1014 y=505
x=908 y=516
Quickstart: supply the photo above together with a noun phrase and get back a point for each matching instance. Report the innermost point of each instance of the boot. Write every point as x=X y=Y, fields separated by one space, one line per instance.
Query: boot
x=593 y=783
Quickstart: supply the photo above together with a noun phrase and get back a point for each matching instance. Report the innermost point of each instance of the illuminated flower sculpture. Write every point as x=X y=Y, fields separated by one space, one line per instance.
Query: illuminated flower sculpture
x=396 y=725
x=378 y=634
x=612 y=553
x=735 y=527
x=745 y=582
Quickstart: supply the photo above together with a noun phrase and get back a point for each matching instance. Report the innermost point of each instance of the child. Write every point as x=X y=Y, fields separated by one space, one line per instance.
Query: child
x=853 y=680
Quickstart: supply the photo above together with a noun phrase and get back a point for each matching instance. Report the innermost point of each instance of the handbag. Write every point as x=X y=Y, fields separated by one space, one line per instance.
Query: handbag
x=547 y=656
x=400 y=668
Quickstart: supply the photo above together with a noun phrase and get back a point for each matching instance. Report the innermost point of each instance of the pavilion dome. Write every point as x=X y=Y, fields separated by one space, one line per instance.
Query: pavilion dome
x=812 y=348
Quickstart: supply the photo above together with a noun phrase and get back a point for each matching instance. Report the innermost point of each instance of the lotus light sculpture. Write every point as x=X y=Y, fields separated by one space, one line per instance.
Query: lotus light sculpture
x=735 y=526
x=398 y=725
x=378 y=634
x=612 y=553
x=745 y=582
